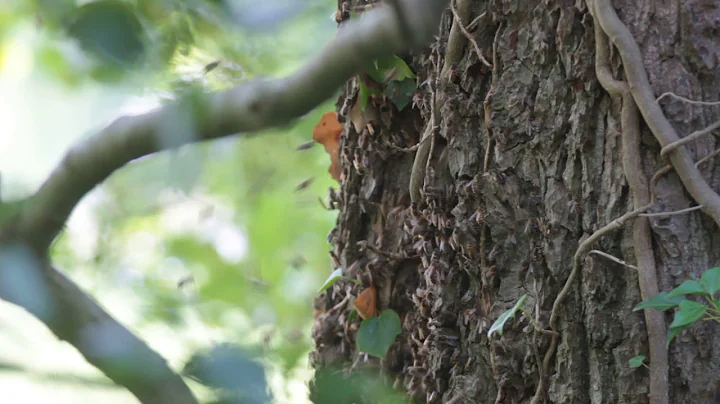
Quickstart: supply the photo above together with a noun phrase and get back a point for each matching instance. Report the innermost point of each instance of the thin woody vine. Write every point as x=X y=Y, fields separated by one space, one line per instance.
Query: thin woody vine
x=694 y=300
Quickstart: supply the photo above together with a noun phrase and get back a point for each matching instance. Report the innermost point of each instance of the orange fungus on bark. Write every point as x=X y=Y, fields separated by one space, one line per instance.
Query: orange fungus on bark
x=366 y=303
x=327 y=132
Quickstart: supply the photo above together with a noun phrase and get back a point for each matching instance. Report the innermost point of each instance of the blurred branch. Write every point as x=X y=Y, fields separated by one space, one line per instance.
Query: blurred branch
x=58 y=378
x=247 y=108
x=73 y=315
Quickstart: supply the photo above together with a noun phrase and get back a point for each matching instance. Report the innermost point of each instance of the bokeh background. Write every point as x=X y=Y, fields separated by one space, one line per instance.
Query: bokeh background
x=208 y=244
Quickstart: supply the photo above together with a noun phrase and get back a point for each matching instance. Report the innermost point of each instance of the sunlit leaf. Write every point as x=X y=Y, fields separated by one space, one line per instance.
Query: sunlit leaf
x=377 y=334
x=335 y=276
x=500 y=322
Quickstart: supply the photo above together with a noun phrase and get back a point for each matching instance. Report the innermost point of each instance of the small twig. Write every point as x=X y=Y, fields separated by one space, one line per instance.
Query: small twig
x=469 y=37
x=689 y=138
x=666 y=169
x=410 y=149
x=536 y=326
x=488 y=96
x=672 y=213
x=342 y=303
x=306 y=145
x=708 y=157
x=613 y=258
x=488 y=147
x=387 y=254
x=473 y=24
x=689 y=101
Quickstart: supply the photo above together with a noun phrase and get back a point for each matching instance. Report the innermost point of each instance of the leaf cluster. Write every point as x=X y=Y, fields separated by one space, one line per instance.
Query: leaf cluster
x=689 y=311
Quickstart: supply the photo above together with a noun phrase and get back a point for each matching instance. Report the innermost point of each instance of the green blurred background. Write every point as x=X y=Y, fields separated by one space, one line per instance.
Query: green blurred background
x=204 y=245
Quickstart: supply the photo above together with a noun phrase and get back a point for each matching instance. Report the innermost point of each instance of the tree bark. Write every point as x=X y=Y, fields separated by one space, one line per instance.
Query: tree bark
x=526 y=163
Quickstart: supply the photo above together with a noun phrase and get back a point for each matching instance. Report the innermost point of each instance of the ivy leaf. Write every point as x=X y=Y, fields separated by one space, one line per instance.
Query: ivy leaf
x=230 y=369
x=500 y=322
x=364 y=93
x=636 y=362
x=335 y=276
x=401 y=92
x=660 y=302
x=689 y=313
x=689 y=287
x=389 y=69
x=377 y=334
x=400 y=70
x=711 y=280
x=110 y=30
x=674 y=331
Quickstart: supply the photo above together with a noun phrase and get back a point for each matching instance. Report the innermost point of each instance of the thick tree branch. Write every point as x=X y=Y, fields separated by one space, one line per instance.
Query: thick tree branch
x=69 y=312
x=73 y=316
x=250 y=107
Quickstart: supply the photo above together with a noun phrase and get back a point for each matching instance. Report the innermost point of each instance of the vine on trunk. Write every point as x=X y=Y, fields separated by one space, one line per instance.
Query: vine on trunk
x=638 y=96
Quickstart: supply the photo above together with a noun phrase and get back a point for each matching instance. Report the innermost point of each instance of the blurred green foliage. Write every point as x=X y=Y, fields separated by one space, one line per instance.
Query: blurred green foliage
x=214 y=233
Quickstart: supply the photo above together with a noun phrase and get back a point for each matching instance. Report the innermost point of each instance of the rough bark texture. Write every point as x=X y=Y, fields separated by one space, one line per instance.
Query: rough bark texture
x=554 y=176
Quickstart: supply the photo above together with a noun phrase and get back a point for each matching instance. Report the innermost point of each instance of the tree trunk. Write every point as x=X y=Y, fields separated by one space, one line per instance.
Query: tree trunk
x=523 y=168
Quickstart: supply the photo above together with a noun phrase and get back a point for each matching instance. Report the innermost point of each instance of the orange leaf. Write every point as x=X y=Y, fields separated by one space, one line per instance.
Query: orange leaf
x=327 y=132
x=366 y=303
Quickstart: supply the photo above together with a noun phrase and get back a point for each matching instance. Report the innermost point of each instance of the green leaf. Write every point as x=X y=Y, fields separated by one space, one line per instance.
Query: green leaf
x=711 y=280
x=637 y=361
x=388 y=69
x=335 y=276
x=689 y=287
x=110 y=30
x=231 y=369
x=363 y=95
x=401 y=92
x=333 y=385
x=500 y=322
x=660 y=302
x=377 y=334
x=716 y=302
x=401 y=70
x=674 y=331
x=689 y=313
